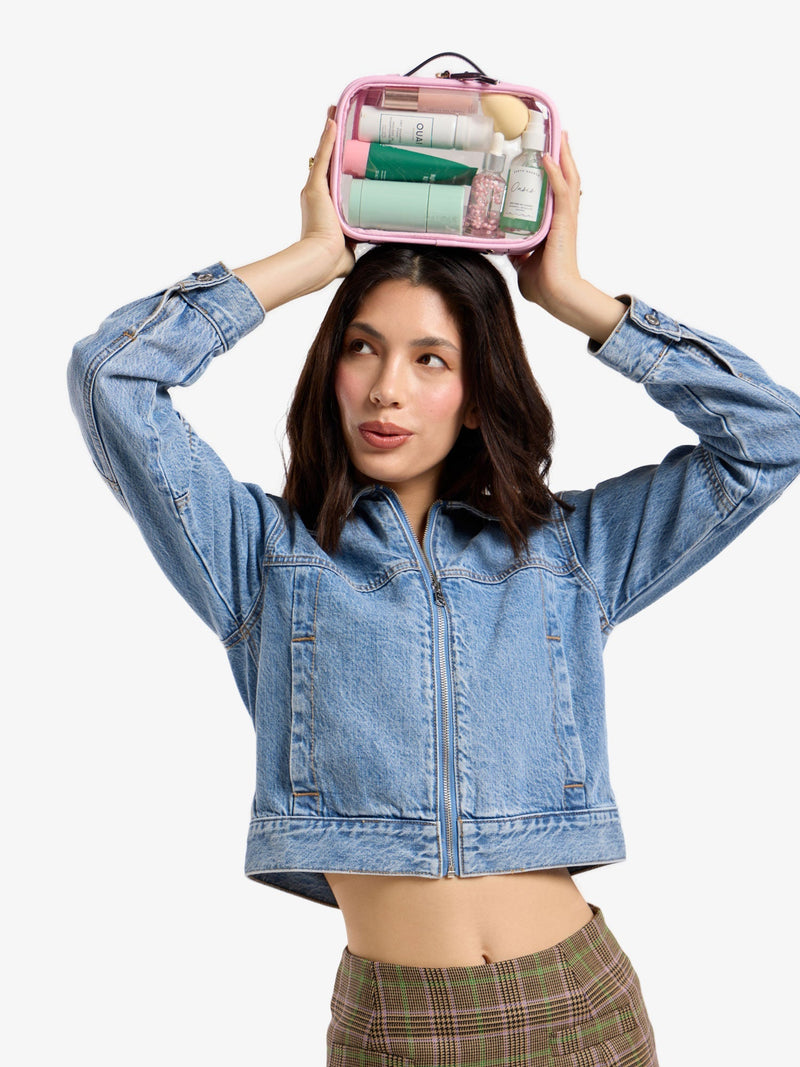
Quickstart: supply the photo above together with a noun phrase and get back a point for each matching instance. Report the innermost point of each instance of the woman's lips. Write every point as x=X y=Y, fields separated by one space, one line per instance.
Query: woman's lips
x=384 y=434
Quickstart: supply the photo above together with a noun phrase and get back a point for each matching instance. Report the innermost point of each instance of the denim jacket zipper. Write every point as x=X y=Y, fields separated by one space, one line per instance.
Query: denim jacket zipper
x=448 y=726
x=449 y=815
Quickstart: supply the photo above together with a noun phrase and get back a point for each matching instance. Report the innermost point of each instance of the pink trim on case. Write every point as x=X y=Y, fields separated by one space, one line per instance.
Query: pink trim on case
x=501 y=245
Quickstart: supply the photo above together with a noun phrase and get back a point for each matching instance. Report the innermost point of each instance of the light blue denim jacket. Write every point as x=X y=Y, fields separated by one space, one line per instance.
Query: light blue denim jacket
x=424 y=710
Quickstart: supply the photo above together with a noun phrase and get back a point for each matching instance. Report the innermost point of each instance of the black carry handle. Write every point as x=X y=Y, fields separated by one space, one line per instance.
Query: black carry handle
x=476 y=74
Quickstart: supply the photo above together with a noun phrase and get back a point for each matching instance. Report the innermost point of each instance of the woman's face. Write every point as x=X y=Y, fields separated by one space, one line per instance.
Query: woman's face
x=400 y=388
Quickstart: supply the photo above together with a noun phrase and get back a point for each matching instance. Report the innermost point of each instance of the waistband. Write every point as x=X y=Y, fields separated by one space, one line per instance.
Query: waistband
x=385 y=1000
x=579 y=1001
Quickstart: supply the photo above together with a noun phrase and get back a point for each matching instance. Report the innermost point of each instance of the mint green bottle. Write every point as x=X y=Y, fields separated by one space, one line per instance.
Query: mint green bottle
x=526 y=186
x=409 y=207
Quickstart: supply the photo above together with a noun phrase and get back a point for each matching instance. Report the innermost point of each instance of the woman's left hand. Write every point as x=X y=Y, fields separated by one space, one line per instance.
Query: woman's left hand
x=548 y=275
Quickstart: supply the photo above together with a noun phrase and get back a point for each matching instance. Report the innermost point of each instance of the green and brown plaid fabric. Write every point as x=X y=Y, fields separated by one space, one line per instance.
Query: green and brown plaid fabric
x=577 y=1004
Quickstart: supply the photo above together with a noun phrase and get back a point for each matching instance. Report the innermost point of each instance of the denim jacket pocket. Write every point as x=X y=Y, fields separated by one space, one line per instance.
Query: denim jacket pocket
x=305 y=785
x=345 y=1056
x=564 y=726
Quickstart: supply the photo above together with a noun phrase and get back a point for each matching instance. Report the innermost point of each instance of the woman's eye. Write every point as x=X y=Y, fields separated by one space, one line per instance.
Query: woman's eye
x=358 y=345
x=429 y=359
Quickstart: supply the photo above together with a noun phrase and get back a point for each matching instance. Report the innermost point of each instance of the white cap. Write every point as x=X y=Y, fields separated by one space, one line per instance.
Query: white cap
x=534 y=135
x=496 y=158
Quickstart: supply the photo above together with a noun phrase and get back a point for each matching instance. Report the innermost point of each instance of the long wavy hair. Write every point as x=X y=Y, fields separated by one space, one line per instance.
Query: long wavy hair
x=500 y=468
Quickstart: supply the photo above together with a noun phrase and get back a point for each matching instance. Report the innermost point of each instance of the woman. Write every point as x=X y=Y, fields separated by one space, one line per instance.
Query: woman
x=416 y=626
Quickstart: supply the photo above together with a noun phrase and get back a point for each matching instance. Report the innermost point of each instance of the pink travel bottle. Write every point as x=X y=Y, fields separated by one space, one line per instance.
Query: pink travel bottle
x=486 y=196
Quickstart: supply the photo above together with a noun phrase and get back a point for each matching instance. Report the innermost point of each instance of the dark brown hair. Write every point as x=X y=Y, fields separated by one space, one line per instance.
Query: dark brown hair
x=500 y=468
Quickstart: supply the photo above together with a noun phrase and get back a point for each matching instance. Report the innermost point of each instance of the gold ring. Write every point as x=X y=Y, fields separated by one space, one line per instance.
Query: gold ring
x=310 y=162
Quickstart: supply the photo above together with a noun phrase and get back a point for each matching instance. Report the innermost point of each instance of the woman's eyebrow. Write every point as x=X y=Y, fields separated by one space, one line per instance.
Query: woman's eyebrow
x=419 y=342
x=433 y=342
x=365 y=327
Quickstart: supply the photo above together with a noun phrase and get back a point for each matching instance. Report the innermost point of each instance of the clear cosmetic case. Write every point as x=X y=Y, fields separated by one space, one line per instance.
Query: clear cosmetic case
x=453 y=160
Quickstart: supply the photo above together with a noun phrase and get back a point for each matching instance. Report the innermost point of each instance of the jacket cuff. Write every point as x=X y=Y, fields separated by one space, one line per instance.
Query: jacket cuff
x=638 y=341
x=226 y=300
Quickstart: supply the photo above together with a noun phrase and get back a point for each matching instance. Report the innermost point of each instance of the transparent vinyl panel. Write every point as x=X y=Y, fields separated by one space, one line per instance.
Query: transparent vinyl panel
x=460 y=162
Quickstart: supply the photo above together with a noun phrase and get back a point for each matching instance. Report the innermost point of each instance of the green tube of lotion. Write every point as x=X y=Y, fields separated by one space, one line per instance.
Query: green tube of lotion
x=383 y=162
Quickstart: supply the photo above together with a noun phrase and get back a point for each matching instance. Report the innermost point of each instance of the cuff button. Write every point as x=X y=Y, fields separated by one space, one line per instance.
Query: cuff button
x=652 y=318
x=205 y=277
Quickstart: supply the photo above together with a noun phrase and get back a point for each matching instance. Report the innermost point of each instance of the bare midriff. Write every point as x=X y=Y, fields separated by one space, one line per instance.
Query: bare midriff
x=451 y=922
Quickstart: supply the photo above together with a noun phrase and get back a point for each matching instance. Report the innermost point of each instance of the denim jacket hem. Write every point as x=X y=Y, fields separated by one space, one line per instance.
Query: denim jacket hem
x=278 y=849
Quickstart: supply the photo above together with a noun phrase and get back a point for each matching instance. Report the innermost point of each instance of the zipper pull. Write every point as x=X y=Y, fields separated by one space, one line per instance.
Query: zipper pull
x=438 y=596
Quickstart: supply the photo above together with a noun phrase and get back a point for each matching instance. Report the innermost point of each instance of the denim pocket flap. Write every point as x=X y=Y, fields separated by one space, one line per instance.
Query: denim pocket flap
x=345 y=1056
x=593 y=1032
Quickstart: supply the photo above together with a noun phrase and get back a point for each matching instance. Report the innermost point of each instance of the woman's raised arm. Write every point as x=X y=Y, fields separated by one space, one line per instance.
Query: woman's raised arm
x=206 y=529
x=639 y=534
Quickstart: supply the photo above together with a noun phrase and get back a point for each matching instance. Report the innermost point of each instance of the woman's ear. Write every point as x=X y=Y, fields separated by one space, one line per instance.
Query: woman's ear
x=472 y=417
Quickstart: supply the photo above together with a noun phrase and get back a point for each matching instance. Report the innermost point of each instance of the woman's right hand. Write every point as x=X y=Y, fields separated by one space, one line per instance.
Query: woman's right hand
x=322 y=253
x=320 y=221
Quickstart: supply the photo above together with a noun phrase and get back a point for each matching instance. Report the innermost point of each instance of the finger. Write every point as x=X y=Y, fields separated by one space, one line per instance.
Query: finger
x=318 y=170
x=568 y=166
x=323 y=153
x=565 y=183
x=555 y=175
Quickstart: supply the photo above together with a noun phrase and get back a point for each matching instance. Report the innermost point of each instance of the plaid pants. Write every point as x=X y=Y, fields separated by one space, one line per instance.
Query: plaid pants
x=577 y=1004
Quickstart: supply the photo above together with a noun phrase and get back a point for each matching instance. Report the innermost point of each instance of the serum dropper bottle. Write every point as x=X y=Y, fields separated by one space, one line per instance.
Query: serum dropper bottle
x=486 y=195
x=527 y=182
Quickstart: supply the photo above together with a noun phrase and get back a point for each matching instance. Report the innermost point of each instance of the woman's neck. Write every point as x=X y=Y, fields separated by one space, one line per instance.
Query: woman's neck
x=416 y=505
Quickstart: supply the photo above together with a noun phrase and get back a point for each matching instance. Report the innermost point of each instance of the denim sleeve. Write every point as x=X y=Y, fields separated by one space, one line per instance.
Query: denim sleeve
x=639 y=535
x=205 y=529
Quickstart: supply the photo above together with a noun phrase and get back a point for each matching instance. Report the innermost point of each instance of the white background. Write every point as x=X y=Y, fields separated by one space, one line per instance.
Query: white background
x=144 y=141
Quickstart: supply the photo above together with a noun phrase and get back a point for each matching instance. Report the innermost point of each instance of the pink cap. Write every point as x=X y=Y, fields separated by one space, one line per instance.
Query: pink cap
x=454 y=101
x=354 y=158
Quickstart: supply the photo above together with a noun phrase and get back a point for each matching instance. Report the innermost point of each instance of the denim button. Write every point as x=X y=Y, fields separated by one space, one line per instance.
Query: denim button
x=205 y=277
x=652 y=318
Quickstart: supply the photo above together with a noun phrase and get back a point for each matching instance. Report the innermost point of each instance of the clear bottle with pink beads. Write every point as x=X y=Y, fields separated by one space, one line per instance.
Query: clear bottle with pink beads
x=482 y=218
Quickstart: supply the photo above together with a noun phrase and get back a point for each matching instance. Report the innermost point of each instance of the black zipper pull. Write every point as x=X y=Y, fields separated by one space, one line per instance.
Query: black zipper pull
x=437 y=591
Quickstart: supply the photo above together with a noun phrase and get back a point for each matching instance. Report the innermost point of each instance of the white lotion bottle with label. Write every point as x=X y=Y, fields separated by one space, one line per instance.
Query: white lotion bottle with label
x=526 y=186
x=414 y=128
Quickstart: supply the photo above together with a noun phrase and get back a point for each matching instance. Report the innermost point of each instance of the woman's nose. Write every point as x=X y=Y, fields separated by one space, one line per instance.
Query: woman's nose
x=387 y=390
